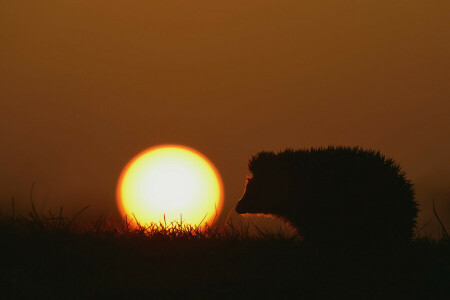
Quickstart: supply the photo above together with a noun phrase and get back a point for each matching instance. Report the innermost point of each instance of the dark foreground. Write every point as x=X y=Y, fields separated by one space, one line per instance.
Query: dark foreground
x=41 y=261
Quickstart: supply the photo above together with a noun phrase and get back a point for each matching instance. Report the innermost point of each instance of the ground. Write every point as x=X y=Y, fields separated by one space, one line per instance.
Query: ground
x=41 y=260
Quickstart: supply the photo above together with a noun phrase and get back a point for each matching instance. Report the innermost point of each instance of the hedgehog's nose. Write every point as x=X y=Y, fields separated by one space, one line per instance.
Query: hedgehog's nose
x=239 y=209
x=241 y=206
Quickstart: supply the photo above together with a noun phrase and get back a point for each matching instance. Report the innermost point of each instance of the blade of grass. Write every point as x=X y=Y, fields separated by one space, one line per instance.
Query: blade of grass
x=444 y=230
x=69 y=225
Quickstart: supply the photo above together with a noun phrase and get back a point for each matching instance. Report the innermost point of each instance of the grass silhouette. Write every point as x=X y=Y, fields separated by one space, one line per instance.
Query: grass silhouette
x=48 y=255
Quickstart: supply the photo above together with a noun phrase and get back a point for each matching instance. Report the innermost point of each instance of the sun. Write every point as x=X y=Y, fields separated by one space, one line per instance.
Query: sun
x=171 y=183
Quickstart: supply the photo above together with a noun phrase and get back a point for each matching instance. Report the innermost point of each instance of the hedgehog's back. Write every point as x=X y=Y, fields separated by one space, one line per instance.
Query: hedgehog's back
x=351 y=194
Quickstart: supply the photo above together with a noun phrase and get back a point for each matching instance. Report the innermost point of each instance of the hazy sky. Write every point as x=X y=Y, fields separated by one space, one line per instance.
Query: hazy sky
x=86 y=85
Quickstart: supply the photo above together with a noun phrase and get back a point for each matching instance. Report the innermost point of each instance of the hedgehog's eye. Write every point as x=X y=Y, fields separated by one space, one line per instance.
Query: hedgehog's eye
x=249 y=177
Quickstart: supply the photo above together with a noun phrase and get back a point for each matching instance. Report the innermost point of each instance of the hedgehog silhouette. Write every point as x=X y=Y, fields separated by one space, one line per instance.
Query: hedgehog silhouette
x=333 y=194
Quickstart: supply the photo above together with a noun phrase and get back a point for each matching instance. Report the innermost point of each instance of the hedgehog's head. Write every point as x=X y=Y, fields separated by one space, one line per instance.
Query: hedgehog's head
x=267 y=187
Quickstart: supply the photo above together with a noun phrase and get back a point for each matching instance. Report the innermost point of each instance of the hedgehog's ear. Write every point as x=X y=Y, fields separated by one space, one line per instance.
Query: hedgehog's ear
x=259 y=162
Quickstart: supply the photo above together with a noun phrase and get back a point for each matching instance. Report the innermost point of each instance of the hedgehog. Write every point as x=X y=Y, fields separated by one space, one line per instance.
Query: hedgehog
x=333 y=194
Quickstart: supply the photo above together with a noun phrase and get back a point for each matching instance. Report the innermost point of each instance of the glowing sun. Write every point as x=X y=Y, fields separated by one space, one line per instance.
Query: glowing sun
x=172 y=181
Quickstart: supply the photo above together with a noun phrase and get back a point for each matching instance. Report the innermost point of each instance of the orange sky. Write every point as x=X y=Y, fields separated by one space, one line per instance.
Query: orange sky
x=86 y=85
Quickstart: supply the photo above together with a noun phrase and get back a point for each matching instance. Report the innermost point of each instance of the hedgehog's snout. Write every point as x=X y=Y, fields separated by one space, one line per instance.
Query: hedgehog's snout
x=242 y=206
x=239 y=208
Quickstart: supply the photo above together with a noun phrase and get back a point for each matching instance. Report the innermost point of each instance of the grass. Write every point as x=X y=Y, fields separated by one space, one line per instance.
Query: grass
x=47 y=255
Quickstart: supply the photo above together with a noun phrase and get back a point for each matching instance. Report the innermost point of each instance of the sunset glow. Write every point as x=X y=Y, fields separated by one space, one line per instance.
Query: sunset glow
x=172 y=181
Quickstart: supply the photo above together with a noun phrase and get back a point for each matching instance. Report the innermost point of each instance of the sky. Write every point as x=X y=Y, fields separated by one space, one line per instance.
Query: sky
x=86 y=85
